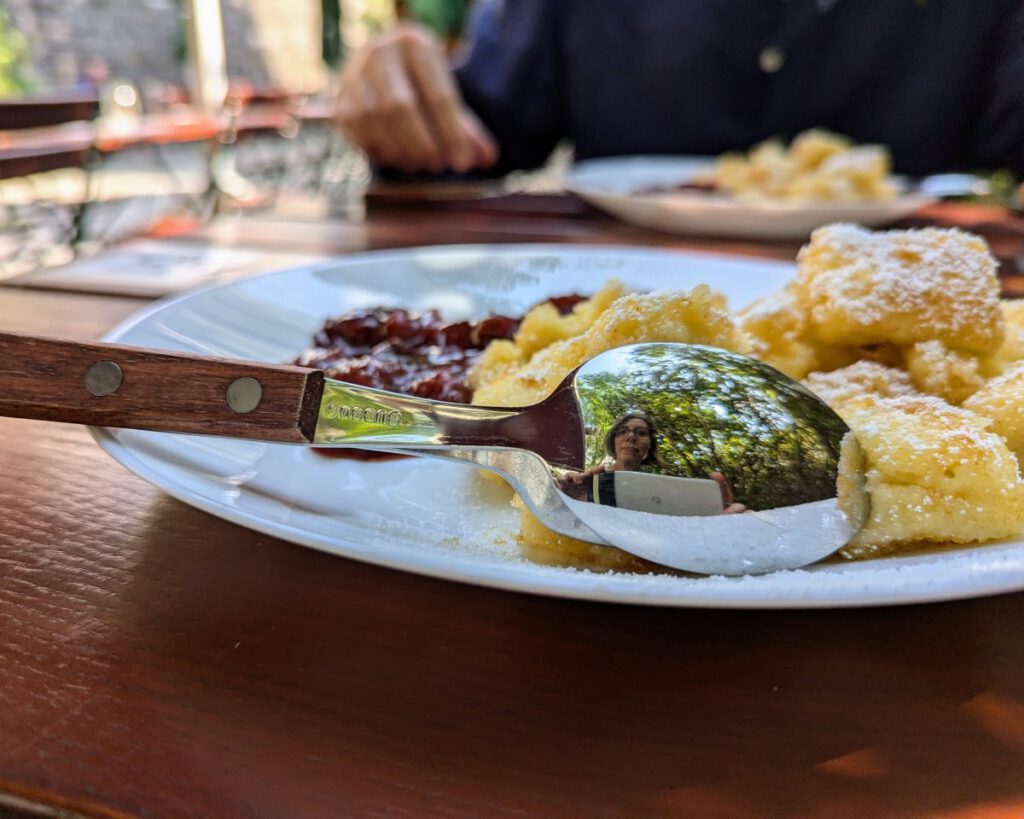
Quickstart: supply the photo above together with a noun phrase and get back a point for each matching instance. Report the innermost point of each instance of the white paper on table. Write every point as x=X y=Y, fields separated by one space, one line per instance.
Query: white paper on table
x=153 y=268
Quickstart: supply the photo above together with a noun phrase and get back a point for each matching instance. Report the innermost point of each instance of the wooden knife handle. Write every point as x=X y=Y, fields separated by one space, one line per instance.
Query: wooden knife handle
x=112 y=385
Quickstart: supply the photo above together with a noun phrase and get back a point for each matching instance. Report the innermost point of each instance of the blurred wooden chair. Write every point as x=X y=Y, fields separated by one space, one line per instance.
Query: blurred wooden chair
x=272 y=140
x=47 y=145
x=253 y=156
x=123 y=177
x=159 y=162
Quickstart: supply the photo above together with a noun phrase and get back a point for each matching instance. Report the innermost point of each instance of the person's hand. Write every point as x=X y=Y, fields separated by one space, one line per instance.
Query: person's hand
x=398 y=102
x=571 y=483
x=729 y=505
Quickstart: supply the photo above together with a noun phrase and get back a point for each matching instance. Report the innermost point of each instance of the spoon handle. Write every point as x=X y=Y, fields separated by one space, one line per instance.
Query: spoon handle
x=354 y=415
x=112 y=385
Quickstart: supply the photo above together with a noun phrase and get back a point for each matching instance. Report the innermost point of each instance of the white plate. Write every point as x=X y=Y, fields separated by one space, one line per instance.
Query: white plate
x=618 y=184
x=436 y=518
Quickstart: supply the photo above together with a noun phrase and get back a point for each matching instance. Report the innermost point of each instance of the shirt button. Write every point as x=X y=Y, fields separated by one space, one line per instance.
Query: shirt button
x=771 y=59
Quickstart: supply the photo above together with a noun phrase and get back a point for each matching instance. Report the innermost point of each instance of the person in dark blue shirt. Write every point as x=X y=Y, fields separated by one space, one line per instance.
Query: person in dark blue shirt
x=940 y=82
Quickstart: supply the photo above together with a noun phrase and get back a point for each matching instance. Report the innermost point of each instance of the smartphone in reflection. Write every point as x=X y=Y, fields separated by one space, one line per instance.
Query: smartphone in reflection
x=660 y=494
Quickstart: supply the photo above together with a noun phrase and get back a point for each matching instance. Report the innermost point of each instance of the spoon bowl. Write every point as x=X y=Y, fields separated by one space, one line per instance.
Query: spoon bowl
x=724 y=433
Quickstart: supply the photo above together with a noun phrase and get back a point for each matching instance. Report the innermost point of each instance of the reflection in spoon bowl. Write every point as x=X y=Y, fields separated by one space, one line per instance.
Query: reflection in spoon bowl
x=698 y=415
x=674 y=435
x=750 y=543
x=711 y=411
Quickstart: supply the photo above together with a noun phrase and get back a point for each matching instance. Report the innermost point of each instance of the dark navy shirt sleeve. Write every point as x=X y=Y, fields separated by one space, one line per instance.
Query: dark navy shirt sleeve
x=510 y=75
x=998 y=138
x=940 y=82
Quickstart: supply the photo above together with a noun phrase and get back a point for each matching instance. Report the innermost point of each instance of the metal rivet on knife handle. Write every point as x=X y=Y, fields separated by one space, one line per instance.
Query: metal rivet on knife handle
x=244 y=394
x=103 y=378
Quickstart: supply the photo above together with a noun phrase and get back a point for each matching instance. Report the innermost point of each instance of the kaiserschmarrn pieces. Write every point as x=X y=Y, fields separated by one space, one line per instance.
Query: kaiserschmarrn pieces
x=900 y=287
x=919 y=312
x=1013 y=343
x=542 y=545
x=541 y=327
x=953 y=375
x=862 y=378
x=514 y=378
x=934 y=473
x=1002 y=401
x=926 y=301
x=544 y=325
x=780 y=334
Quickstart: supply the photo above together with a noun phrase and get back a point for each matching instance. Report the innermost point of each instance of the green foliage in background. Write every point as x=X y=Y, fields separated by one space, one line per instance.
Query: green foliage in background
x=446 y=18
x=1003 y=190
x=181 y=33
x=331 y=46
x=719 y=417
x=14 y=76
x=376 y=15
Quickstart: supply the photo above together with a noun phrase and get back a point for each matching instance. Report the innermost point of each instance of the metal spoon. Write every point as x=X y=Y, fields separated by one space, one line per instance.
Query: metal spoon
x=713 y=419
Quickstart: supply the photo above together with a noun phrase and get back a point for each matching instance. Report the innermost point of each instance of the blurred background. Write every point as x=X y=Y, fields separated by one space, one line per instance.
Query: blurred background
x=120 y=118
x=290 y=45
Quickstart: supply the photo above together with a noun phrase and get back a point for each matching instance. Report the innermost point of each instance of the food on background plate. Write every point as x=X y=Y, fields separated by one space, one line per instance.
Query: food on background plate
x=816 y=166
x=902 y=332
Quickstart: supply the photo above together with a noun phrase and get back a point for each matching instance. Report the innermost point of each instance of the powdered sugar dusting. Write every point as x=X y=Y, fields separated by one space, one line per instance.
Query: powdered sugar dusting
x=859 y=379
x=902 y=287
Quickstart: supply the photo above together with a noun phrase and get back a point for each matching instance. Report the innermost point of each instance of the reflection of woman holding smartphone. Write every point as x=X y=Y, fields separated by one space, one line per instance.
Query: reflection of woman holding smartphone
x=631 y=445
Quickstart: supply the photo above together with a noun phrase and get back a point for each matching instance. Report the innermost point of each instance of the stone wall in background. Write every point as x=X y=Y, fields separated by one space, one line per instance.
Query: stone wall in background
x=271 y=43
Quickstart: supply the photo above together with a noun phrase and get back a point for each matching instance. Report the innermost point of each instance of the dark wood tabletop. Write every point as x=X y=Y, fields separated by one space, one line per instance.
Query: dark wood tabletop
x=158 y=661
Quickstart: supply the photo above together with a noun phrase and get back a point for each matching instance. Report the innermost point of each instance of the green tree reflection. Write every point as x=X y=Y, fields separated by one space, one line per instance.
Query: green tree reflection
x=776 y=443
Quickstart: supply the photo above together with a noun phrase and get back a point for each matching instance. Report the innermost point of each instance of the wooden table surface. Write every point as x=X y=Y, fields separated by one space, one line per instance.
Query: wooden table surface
x=158 y=661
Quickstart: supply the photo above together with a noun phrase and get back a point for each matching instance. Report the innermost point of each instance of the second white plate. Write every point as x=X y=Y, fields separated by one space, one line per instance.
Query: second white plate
x=622 y=187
